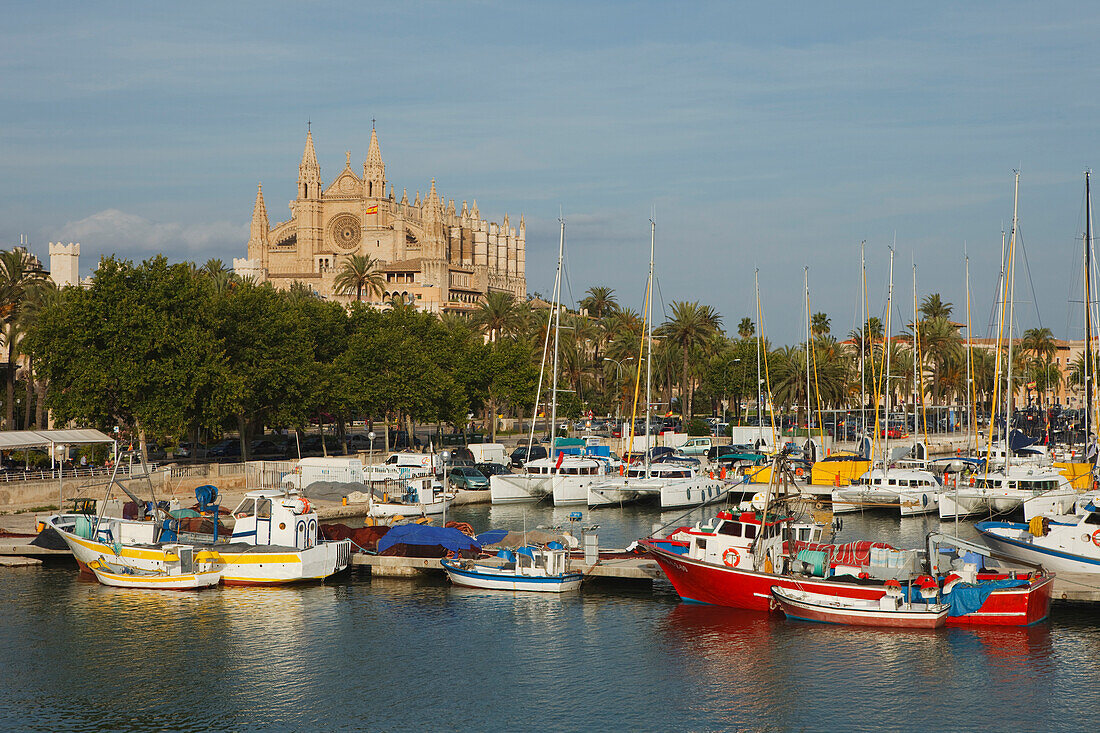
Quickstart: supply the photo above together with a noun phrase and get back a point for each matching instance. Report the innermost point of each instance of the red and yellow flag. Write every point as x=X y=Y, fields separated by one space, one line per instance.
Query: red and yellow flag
x=372 y=209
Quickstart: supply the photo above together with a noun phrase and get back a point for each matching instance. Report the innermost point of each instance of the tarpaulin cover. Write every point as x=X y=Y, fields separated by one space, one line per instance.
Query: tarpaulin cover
x=965 y=598
x=423 y=534
x=850 y=553
x=1017 y=440
x=492 y=537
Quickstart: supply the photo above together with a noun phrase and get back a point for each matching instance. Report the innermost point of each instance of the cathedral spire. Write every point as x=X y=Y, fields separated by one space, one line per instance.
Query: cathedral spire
x=257 y=234
x=309 y=173
x=374 y=170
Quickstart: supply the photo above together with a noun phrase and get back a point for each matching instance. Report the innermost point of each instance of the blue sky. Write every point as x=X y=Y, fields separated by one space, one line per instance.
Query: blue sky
x=764 y=136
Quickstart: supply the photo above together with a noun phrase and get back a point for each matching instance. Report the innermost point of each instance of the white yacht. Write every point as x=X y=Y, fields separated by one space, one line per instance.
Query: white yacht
x=1038 y=490
x=567 y=483
x=913 y=491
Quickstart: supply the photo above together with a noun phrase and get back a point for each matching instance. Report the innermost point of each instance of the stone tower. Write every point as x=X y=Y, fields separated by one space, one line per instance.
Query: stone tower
x=65 y=263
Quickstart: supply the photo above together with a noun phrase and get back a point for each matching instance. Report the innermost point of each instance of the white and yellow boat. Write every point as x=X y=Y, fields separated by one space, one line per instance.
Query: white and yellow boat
x=274 y=541
x=190 y=571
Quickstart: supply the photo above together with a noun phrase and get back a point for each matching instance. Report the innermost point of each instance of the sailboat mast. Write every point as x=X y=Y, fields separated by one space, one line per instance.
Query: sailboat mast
x=916 y=338
x=969 y=369
x=1010 y=393
x=809 y=411
x=1088 y=313
x=862 y=341
x=759 y=337
x=557 y=331
x=886 y=380
x=649 y=344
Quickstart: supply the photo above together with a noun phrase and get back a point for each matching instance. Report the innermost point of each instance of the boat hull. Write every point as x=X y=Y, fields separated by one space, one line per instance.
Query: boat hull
x=518 y=488
x=187 y=581
x=700 y=582
x=807 y=610
x=487 y=580
x=1013 y=540
x=244 y=565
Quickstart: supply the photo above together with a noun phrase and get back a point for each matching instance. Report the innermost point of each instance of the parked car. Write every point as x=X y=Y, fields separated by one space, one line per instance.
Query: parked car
x=695 y=447
x=519 y=455
x=467 y=477
x=311 y=445
x=717 y=451
x=191 y=450
x=358 y=442
x=264 y=447
x=226 y=448
x=674 y=458
x=660 y=450
x=488 y=470
x=461 y=453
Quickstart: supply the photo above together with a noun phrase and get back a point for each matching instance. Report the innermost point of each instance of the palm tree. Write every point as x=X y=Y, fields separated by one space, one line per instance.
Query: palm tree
x=746 y=329
x=1040 y=342
x=933 y=307
x=498 y=315
x=600 y=302
x=213 y=266
x=691 y=325
x=359 y=273
x=40 y=297
x=819 y=325
x=20 y=274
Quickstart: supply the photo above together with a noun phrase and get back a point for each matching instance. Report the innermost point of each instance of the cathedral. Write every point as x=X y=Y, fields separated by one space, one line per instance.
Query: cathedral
x=429 y=254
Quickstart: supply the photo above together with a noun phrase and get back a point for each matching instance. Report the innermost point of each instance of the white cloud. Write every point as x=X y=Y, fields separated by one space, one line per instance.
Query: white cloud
x=114 y=232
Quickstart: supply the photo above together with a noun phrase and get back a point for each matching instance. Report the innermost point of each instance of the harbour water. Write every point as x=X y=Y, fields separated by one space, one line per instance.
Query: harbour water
x=393 y=654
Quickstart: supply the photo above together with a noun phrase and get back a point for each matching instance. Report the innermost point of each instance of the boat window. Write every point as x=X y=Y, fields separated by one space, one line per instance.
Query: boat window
x=733 y=529
x=701 y=544
x=893 y=482
x=750 y=531
x=246 y=507
x=1092 y=518
x=263 y=509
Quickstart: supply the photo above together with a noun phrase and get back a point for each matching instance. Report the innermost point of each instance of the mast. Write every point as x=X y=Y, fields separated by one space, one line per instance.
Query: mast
x=649 y=344
x=862 y=341
x=557 y=330
x=971 y=417
x=1088 y=314
x=916 y=339
x=759 y=336
x=886 y=380
x=809 y=411
x=1010 y=393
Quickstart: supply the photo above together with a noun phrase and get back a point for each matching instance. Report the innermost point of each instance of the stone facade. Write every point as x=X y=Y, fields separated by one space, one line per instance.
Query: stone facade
x=433 y=255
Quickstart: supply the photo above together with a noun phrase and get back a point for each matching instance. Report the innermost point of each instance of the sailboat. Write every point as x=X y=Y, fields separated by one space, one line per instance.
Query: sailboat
x=674 y=485
x=1036 y=487
x=565 y=478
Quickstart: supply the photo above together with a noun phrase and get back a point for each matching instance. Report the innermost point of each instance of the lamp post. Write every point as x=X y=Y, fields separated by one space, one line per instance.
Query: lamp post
x=618 y=380
x=370 y=437
x=446 y=456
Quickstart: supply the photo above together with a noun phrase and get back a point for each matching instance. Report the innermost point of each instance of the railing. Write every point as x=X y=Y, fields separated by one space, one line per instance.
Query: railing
x=14 y=475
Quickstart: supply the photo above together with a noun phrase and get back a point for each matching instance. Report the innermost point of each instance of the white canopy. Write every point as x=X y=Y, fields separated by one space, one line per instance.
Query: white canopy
x=19 y=439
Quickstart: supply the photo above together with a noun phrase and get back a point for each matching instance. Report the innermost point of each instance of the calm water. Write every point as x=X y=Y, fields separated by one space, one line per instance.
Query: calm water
x=388 y=654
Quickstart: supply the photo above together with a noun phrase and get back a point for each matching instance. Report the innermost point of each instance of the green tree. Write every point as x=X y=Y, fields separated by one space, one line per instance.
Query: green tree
x=600 y=302
x=498 y=315
x=691 y=325
x=359 y=273
x=20 y=275
x=746 y=329
x=933 y=307
x=819 y=325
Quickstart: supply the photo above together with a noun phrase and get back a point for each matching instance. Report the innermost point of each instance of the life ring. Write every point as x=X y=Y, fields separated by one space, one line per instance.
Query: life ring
x=798 y=471
x=305 y=506
x=1096 y=538
x=242 y=515
x=737 y=557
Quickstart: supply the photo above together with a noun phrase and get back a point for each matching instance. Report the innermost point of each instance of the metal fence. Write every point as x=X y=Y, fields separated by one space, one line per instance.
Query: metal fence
x=79 y=472
x=266 y=474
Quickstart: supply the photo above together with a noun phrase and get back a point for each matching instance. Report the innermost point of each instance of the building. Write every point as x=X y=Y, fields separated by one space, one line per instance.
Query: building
x=433 y=255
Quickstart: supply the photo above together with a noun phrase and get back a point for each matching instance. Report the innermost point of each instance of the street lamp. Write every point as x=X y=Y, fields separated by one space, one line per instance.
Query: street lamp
x=618 y=379
x=446 y=456
x=370 y=437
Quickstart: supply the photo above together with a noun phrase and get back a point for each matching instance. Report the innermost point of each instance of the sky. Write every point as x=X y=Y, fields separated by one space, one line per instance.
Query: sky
x=759 y=136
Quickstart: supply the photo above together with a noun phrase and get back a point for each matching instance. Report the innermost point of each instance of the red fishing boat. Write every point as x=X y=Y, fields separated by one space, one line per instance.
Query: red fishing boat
x=736 y=561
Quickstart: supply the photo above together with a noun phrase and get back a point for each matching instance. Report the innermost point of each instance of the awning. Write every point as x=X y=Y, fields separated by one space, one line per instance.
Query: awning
x=19 y=439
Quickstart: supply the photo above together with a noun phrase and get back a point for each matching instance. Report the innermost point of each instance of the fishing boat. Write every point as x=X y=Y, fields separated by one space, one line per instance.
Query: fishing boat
x=189 y=570
x=541 y=569
x=737 y=560
x=888 y=611
x=274 y=539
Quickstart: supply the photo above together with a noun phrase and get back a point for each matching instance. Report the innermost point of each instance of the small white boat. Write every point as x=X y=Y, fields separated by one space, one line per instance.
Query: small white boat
x=1062 y=543
x=172 y=577
x=544 y=570
x=888 y=611
x=913 y=491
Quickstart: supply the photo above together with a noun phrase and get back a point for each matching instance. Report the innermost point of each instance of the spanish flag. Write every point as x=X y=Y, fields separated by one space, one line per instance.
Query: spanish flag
x=372 y=209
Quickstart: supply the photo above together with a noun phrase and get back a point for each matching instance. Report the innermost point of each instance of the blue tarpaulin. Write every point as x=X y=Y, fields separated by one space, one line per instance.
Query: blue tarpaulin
x=965 y=598
x=422 y=534
x=492 y=537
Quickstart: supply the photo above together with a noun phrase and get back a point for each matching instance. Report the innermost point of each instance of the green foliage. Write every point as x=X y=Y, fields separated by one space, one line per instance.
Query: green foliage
x=697 y=426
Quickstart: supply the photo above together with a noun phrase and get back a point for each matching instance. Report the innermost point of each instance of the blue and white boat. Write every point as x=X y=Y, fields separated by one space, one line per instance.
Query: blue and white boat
x=539 y=569
x=1062 y=543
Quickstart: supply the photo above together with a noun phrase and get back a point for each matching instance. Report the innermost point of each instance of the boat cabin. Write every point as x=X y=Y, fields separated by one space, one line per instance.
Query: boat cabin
x=273 y=517
x=570 y=466
x=729 y=539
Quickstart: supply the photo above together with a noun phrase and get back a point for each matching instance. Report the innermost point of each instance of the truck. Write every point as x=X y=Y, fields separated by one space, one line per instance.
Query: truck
x=488 y=453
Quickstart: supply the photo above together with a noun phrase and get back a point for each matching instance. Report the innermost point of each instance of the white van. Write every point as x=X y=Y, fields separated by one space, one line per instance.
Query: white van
x=426 y=462
x=488 y=453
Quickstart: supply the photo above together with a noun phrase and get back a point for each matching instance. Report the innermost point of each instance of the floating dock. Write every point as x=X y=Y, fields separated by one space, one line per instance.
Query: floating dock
x=636 y=569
